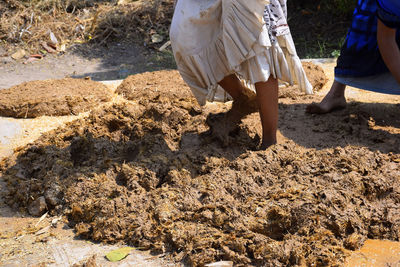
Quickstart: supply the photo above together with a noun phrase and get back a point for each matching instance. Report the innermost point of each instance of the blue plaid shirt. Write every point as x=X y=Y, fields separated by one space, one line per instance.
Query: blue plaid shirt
x=389 y=12
x=360 y=54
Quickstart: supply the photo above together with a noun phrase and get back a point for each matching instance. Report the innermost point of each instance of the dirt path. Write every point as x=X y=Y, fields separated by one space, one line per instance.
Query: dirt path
x=116 y=61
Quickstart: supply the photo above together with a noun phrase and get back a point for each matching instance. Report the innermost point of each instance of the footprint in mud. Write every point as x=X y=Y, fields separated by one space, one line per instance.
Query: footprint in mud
x=228 y=132
x=220 y=127
x=225 y=125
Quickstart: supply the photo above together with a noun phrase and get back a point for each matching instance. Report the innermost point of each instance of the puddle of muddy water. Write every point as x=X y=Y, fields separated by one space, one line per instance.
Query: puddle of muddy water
x=376 y=253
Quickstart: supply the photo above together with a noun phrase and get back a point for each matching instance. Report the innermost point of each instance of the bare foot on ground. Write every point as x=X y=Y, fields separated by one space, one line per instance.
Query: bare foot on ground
x=326 y=106
x=265 y=145
x=334 y=100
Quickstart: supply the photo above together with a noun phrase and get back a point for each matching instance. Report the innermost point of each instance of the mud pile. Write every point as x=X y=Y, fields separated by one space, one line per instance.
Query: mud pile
x=145 y=84
x=149 y=173
x=170 y=81
x=52 y=98
x=316 y=76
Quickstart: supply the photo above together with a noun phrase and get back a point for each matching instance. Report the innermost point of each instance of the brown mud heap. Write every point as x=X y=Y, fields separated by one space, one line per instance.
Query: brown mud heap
x=148 y=172
x=316 y=77
x=52 y=98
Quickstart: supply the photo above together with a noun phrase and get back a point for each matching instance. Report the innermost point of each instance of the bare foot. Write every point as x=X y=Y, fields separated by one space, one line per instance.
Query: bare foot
x=334 y=100
x=267 y=144
x=246 y=104
x=245 y=100
x=328 y=104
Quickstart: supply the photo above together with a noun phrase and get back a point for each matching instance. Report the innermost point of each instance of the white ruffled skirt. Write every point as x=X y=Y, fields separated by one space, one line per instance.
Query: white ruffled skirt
x=212 y=39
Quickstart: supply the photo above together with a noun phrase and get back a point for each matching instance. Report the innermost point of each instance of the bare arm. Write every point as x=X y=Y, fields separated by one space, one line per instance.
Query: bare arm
x=389 y=50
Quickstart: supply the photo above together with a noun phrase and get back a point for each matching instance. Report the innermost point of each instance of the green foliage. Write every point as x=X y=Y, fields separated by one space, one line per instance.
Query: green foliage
x=319 y=27
x=344 y=6
x=335 y=53
x=337 y=7
x=118 y=254
x=340 y=7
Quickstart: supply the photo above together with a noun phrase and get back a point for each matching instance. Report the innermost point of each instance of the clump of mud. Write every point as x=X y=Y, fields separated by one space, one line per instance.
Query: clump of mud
x=316 y=76
x=149 y=173
x=169 y=82
x=52 y=98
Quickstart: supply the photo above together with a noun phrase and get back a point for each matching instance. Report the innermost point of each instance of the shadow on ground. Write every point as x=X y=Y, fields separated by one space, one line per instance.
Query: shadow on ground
x=117 y=60
x=372 y=125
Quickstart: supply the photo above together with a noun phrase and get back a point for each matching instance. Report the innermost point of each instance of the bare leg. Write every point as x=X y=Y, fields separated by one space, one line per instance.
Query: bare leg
x=244 y=100
x=244 y=103
x=233 y=86
x=332 y=101
x=267 y=98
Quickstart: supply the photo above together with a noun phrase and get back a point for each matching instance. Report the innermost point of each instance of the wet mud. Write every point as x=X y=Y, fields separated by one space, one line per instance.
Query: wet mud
x=52 y=98
x=149 y=172
x=379 y=253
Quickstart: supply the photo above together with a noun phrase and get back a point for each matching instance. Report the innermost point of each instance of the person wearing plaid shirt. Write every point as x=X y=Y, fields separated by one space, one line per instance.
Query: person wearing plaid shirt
x=370 y=56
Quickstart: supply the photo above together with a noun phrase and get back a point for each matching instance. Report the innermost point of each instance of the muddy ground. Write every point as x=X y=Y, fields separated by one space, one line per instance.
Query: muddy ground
x=147 y=171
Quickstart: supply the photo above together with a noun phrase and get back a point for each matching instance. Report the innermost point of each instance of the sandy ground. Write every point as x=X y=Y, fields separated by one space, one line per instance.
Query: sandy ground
x=24 y=246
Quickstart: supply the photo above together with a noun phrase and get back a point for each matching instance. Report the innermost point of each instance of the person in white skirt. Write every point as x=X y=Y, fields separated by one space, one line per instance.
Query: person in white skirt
x=231 y=44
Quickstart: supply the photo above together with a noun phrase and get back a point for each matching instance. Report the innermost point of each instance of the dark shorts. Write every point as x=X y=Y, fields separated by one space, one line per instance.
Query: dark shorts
x=360 y=56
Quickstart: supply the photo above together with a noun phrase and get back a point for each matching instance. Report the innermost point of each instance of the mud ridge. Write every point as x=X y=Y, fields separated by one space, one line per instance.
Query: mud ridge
x=52 y=98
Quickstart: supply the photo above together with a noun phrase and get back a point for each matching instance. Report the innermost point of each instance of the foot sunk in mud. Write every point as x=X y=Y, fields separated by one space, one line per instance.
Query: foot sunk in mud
x=223 y=125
